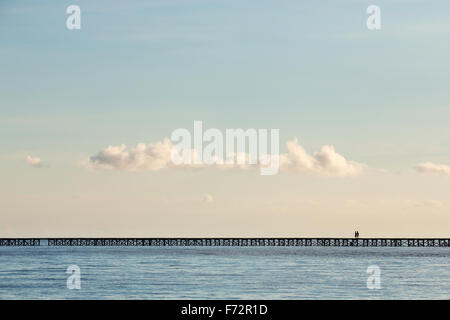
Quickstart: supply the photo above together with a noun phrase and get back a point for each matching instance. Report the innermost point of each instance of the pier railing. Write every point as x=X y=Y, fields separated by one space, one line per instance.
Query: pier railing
x=19 y=242
x=230 y=242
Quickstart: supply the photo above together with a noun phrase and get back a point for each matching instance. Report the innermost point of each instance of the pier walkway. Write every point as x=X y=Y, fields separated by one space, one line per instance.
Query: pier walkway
x=230 y=242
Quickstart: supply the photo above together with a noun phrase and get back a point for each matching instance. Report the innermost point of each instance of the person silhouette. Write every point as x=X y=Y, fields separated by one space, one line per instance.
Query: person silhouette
x=357 y=234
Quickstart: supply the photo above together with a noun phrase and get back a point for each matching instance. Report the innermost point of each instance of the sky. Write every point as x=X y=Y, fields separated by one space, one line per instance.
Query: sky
x=138 y=70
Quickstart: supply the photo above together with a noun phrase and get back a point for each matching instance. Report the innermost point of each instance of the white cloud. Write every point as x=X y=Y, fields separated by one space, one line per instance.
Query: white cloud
x=429 y=167
x=152 y=157
x=156 y=156
x=324 y=162
x=207 y=198
x=34 y=162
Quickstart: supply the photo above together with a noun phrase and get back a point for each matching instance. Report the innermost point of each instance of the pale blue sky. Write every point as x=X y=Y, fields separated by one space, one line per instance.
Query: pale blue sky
x=137 y=70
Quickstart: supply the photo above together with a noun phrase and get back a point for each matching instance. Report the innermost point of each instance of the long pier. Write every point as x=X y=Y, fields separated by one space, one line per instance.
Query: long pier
x=228 y=242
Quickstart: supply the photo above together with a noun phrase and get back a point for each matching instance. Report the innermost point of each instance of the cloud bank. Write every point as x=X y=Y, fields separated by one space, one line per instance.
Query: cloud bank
x=429 y=167
x=157 y=156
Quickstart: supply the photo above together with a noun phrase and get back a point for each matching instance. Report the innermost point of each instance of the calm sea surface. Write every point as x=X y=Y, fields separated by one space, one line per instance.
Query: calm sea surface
x=224 y=272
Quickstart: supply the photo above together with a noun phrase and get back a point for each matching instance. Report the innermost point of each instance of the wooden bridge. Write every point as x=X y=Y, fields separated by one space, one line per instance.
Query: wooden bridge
x=230 y=242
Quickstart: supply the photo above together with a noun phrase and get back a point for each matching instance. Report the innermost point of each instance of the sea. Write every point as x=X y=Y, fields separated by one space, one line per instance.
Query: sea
x=224 y=273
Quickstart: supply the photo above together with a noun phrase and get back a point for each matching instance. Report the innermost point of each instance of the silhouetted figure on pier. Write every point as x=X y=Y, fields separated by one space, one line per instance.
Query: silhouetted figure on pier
x=356 y=234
